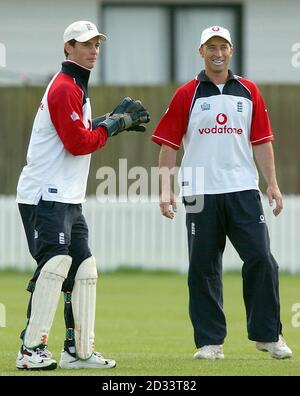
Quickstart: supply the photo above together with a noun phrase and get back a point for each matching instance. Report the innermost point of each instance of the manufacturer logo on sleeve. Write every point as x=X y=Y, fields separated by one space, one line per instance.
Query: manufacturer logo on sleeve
x=74 y=116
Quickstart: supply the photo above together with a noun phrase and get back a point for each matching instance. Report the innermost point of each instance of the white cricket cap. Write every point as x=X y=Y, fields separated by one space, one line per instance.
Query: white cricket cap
x=215 y=31
x=82 y=31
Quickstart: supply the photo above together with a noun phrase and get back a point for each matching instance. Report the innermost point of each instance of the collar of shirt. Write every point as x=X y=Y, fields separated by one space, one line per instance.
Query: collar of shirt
x=203 y=77
x=81 y=74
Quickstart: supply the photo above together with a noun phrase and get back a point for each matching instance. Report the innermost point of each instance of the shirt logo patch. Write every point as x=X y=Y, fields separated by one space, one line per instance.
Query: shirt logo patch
x=52 y=190
x=205 y=106
x=239 y=107
x=221 y=127
x=221 y=118
x=262 y=219
x=61 y=238
x=74 y=116
x=193 y=229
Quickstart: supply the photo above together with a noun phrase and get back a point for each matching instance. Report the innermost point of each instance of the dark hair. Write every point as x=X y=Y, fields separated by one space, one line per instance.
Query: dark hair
x=72 y=43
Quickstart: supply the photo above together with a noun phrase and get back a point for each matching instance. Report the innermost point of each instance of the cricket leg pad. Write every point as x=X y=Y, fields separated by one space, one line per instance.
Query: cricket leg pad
x=84 y=307
x=45 y=299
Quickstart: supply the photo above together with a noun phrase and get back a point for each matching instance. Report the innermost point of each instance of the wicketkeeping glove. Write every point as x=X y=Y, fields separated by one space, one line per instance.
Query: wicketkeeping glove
x=96 y=121
x=117 y=123
x=128 y=105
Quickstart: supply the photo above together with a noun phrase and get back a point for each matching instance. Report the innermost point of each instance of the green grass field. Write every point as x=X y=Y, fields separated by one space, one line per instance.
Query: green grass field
x=142 y=322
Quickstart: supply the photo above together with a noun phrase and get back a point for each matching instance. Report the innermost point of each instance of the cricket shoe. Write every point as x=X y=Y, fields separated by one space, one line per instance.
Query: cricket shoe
x=35 y=359
x=210 y=352
x=95 y=361
x=278 y=349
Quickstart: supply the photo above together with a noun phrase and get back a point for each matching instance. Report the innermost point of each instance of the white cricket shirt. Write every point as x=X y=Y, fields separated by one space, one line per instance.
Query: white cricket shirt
x=218 y=131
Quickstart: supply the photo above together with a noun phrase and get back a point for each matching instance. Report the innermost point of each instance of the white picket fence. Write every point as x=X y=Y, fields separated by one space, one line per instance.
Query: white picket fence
x=136 y=235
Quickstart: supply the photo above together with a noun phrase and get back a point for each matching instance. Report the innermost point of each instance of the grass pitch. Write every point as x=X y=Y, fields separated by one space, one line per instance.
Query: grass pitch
x=142 y=322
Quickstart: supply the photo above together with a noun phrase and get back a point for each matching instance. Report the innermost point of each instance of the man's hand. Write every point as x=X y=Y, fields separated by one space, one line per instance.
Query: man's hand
x=128 y=115
x=117 y=123
x=128 y=105
x=96 y=121
x=274 y=193
x=167 y=201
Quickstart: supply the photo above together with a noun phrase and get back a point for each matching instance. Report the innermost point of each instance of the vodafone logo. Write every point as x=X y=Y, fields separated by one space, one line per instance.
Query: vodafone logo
x=221 y=118
x=221 y=127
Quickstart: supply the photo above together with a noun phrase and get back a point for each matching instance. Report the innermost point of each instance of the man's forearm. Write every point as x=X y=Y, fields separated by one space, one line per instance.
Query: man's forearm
x=264 y=156
x=167 y=157
x=265 y=160
x=167 y=161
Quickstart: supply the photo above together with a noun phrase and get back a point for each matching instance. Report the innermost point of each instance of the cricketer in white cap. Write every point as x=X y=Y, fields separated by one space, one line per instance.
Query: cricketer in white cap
x=221 y=120
x=51 y=189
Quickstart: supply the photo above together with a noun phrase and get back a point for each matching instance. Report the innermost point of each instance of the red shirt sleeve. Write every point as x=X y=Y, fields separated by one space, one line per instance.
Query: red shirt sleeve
x=261 y=131
x=173 y=124
x=65 y=108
